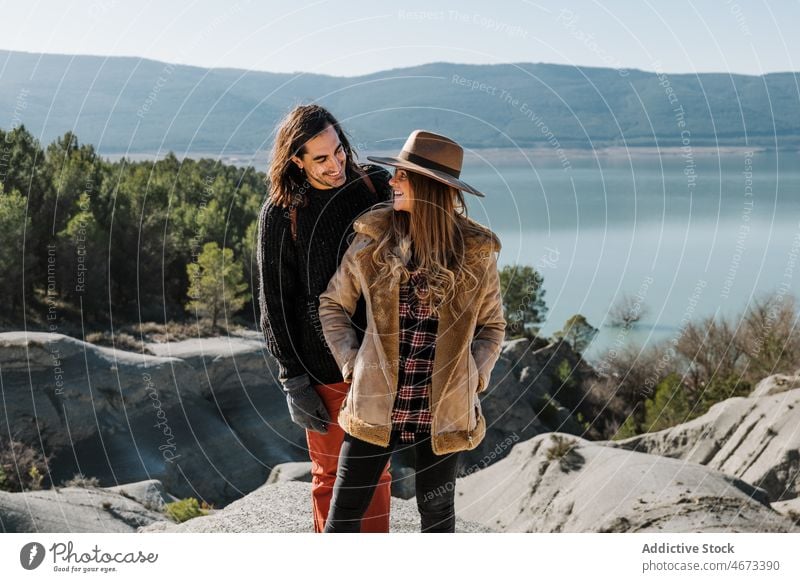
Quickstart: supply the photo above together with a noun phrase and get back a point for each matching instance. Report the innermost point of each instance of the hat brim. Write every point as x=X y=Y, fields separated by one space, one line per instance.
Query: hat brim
x=435 y=174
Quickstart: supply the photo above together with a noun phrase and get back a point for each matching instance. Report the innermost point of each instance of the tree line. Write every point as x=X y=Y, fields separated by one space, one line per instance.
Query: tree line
x=85 y=239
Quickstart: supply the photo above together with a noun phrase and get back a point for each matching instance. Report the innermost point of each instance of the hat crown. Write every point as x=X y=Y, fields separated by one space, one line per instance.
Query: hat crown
x=435 y=156
x=434 y=151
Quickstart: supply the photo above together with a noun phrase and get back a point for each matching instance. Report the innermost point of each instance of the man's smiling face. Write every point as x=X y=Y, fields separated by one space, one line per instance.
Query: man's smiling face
x=324 y=160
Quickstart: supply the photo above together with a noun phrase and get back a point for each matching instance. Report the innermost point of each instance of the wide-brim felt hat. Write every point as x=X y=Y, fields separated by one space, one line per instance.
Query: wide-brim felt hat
x=431 y=155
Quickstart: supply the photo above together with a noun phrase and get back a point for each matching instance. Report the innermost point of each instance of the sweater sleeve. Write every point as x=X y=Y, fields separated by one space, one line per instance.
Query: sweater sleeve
x=278 y=287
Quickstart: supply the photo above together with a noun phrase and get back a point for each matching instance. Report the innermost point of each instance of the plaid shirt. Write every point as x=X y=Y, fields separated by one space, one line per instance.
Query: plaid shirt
x=411 y=414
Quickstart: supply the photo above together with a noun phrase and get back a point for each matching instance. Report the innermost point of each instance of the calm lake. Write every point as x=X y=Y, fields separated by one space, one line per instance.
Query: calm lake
x=690 y=237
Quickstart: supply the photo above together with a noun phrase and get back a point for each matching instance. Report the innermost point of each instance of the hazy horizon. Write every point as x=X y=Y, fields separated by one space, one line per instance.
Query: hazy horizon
x=360 y=37
x=411 y=66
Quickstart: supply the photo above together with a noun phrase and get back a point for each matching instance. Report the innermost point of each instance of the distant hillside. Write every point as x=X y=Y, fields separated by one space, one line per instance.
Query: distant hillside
x=130 y=104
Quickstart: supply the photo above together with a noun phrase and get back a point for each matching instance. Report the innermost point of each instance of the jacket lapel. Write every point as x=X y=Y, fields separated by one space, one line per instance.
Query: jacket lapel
x=449 y=354
x=384 y=297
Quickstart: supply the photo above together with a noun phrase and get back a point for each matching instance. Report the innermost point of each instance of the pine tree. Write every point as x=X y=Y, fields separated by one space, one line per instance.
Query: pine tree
x=216 y=283
x=523 y=299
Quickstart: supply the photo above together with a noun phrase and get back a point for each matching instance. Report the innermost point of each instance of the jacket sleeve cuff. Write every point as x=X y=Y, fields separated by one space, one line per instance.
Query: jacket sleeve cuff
x=349 y=367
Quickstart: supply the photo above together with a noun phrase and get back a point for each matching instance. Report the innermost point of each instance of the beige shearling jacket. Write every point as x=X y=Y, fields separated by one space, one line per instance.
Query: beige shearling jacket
x=467 y=348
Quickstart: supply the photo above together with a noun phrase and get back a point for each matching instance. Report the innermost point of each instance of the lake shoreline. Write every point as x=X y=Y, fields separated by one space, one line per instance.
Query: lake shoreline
x=475 y=155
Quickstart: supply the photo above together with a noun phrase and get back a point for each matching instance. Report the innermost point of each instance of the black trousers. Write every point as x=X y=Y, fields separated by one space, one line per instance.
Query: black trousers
x=360 y=466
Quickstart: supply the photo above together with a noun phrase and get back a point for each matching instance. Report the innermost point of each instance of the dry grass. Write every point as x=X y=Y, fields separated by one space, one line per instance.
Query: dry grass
x=22 y=468
x=79 y=480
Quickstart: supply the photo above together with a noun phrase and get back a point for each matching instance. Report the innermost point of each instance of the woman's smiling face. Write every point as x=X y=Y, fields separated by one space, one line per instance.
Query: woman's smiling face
x=402 y=190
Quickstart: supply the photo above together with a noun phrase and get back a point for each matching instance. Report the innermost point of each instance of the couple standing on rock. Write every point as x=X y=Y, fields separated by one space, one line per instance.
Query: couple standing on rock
x=380 y=300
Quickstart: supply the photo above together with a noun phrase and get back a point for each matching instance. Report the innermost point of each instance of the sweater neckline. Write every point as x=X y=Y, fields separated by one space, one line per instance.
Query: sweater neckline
x=328 y=192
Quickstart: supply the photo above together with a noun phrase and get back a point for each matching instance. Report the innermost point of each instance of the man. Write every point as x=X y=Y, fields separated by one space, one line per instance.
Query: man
x=316 y=192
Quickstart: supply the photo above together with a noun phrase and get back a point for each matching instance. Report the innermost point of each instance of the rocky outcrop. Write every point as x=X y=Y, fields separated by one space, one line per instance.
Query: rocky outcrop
x=552 y=483
x=756 y=439
x=560 y=483
x=205 y=417
x=79 y=509
x=285 y=507
x=150 y=494
x=527 y=397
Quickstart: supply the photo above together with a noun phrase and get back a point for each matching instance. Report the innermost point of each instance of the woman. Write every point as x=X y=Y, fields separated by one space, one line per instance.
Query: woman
x=434 y=330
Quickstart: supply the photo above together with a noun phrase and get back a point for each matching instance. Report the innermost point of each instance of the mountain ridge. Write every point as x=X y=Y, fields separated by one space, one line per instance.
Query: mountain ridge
x=132 y=104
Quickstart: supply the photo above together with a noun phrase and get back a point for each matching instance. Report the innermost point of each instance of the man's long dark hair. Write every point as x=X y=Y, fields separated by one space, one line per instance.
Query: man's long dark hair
x=288 y=184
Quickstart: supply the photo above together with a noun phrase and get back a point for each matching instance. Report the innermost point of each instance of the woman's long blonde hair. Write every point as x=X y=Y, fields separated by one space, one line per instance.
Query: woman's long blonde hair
x=434 y=236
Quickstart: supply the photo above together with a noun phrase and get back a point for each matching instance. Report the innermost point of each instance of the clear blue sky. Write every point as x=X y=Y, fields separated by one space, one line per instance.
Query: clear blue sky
x=354 y=37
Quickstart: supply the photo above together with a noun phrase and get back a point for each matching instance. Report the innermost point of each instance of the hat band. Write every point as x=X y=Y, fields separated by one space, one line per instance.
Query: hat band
x=429 y=164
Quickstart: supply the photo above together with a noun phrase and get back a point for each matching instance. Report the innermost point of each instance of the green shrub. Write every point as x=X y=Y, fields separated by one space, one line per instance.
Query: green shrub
x=628 y=429
x=721 y=389
x=547 y=410
x=565 y=452
x=563 y=373
x=673 y=403
x=184 y=510
x=560 y=448
x=22 y=468
x=669 y=405
x=581 y=420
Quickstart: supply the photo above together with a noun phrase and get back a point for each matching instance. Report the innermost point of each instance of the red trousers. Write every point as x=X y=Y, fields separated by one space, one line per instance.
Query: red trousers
x=324 y=452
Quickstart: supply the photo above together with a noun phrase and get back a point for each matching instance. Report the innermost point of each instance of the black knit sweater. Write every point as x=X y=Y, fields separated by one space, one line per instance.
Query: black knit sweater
x=293 y=274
